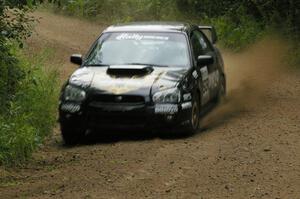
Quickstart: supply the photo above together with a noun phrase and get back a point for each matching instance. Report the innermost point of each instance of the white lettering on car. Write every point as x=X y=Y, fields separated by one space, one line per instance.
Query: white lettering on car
x=205 y=85
x=186 y=105
x=187 y=97
x=138 y=37
x=195 y=74
x=214 y=79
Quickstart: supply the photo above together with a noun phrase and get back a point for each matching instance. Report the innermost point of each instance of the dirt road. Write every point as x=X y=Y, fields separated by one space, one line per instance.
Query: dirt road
x=248 y=148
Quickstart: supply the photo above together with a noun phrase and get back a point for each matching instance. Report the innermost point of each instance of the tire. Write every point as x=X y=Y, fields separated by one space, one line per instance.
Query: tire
x=194 y=123
x=222 y=91
x=71 y=135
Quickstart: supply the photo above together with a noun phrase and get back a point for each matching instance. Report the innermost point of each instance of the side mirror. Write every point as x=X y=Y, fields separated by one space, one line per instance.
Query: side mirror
x=76 y=59
x=204 y=60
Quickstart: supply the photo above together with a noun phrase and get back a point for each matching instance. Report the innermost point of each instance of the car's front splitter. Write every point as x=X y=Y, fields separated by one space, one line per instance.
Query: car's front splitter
x=140 y=117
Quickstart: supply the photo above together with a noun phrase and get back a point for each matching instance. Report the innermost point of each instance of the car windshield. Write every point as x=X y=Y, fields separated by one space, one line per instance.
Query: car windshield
x=140 y=48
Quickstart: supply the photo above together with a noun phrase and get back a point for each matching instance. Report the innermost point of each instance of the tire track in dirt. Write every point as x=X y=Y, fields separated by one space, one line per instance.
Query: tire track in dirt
x=249 y=148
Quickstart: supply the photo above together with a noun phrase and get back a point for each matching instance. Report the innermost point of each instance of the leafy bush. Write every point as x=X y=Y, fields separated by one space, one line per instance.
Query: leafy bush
x=10 y=73
x=15 y=26
x=235 y=31
x=119 y=11
x=31 y=113
x=237 y=35
x=27 y=90
x=239 y=22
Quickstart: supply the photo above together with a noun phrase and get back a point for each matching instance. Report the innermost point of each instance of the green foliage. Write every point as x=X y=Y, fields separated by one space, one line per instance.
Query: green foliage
x=117 y=10
x=237 y=36
x=27 y=91
x=239 y=22
x=15 y=26
x=30 y=116
x=10 y=73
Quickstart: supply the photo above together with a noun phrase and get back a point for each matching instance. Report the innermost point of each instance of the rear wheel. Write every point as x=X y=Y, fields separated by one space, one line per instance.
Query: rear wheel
x=71 y=135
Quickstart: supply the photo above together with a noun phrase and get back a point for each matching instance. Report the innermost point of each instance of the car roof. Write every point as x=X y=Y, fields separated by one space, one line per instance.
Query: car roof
x=150 y=27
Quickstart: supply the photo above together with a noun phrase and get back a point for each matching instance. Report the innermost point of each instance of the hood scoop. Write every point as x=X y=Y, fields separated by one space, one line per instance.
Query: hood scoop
x=129 y=70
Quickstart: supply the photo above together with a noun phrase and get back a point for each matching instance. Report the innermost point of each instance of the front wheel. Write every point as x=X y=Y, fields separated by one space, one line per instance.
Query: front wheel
x=194 y=123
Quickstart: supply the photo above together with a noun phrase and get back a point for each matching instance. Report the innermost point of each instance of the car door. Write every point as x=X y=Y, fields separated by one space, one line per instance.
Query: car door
x=209 y=73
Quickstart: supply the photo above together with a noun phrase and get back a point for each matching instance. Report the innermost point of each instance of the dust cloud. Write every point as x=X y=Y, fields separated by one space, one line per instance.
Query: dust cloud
x=250 y=74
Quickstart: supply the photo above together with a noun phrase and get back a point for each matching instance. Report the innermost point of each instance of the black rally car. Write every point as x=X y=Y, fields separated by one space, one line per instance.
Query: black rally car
x=143 y=75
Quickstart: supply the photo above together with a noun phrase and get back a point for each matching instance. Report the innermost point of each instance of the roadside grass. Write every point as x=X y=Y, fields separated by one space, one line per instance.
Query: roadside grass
x=31 y=113
x=9 y=183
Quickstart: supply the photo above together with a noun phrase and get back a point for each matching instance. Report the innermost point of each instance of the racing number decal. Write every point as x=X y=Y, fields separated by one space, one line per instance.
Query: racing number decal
x=205 y=84
x=214 y=80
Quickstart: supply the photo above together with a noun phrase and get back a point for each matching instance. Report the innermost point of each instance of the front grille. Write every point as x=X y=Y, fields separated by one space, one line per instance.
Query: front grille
x=114 y=119
x=117 y=118
x=118 y=99
x=116 y=110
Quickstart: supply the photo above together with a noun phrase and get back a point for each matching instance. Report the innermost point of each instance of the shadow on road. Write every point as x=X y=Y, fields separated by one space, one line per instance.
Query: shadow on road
x=112 y=136
x=214 y=119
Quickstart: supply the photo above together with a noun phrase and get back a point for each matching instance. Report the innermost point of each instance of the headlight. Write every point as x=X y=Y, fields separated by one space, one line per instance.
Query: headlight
x=75 y=94
x=167 y=96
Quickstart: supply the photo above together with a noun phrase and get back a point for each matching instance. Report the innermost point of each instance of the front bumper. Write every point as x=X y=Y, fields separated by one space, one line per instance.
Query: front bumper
x=105 y=116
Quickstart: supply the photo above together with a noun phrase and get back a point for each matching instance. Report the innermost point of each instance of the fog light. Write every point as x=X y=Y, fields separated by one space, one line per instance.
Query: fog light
x=71 y=108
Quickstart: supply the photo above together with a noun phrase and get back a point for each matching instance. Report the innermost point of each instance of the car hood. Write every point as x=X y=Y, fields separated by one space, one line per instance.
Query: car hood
x=127 y=79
